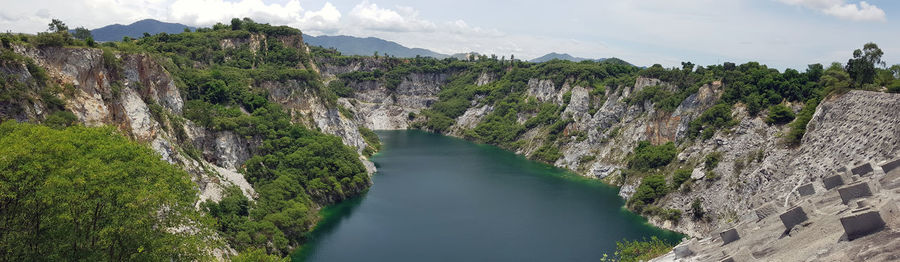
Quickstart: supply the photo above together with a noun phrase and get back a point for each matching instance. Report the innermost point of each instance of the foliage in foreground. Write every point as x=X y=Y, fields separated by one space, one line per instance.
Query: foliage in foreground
x=633 y=251
x=91 y=194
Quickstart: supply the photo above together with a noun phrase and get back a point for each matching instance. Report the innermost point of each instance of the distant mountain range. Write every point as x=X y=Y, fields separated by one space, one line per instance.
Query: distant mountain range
x=552 y=56
x=137 y=29
x=350 y=45
x=558 y=56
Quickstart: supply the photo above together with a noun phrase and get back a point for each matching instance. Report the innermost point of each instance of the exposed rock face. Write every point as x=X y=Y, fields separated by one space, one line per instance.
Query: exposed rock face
x=756 y=167
x=379 y=108
x=123 y=99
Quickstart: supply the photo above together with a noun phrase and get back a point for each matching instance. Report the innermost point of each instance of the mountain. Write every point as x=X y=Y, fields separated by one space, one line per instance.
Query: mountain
x=350 y=45
x=559 y=56
x=137 y=29
x=553 y=56
x=465 y=56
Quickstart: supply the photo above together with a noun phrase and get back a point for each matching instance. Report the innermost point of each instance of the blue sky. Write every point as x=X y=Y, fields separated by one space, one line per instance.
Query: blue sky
x=780 y=33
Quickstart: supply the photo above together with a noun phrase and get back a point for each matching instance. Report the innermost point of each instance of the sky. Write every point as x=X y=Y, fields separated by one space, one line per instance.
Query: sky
x=779 y=33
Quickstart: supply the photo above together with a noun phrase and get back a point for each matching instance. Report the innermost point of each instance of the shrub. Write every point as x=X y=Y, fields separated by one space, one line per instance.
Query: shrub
x=696 y=209
x=61 y=119
x=647 y=156
x=51 y=39
x=712 y=119
x=779 y=114
x=680 y=176
x=370 y=137
x=633 y=251
x=547 y=153
x=712 y=160
x=798 y=127
x=894 y=87
x=651 y=188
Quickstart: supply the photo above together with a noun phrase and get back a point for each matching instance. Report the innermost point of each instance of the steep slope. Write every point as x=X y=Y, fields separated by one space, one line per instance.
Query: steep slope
x=180 y=112
x=735 y=161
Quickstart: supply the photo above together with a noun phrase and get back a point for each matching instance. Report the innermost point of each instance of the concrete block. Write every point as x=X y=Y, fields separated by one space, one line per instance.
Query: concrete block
x=891 y=166
x=806 y=190
x=729 y=236
x=793 y=217
x=833 y=181
x=854 y=191
x=862 y=224
x=862 y=170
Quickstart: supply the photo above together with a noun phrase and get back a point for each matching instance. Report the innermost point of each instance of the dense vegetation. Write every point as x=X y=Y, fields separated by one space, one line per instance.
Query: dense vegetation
x=294 y=170
x=647 y=156
x=635 y=250
x=88 y=194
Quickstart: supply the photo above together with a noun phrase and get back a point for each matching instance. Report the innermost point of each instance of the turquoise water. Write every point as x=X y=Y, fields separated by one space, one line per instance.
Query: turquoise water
x=437 y=198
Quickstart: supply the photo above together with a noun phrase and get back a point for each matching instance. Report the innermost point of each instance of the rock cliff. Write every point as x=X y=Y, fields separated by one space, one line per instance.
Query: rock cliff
x=756 y=168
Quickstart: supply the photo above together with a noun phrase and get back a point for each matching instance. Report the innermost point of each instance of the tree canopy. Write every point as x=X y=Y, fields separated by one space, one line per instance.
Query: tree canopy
x=91 y=194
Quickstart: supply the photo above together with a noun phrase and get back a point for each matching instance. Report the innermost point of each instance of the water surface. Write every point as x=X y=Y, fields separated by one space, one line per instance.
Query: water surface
x=437 y=198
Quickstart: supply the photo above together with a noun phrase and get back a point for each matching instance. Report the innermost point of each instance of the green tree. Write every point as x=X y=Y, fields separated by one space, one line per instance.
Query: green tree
x=633 y=251
x=82 y=33
x=862 y=66
x=779 y=114
x=647 y=156
x=680 y=176
x=651 y=188
x=90 y=194
x=57 y=26
x=835 y=79
x=235 y=23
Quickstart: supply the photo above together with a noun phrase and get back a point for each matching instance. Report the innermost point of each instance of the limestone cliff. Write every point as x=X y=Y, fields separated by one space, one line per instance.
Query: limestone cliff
x=756 y=166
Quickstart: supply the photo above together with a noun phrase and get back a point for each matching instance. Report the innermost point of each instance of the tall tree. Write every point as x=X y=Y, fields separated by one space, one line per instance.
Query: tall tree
x=57 y=26
x=90 y=194
x=82 y=33
x=862 y=66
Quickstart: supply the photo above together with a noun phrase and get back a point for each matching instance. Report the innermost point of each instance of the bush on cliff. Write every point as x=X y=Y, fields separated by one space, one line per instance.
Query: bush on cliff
x=647 y=156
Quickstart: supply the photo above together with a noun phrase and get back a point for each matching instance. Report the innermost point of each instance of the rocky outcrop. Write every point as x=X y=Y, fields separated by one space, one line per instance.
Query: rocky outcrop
x=124 y=97
x=756 y=166
x=377 y=107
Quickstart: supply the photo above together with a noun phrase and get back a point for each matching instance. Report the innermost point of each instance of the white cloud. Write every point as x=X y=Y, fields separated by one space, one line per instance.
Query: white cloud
x=644 y=32
x=405 y=19
x=326 y=20
x=843 y=10
x=206 y=12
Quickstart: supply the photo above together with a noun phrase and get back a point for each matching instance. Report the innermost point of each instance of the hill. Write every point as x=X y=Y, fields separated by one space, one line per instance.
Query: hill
x=559 y=56
x=567 y=57
x=349 y=45
x=137 y=29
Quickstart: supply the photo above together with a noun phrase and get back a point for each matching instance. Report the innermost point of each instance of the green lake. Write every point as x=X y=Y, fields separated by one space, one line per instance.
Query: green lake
x=438 y=198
